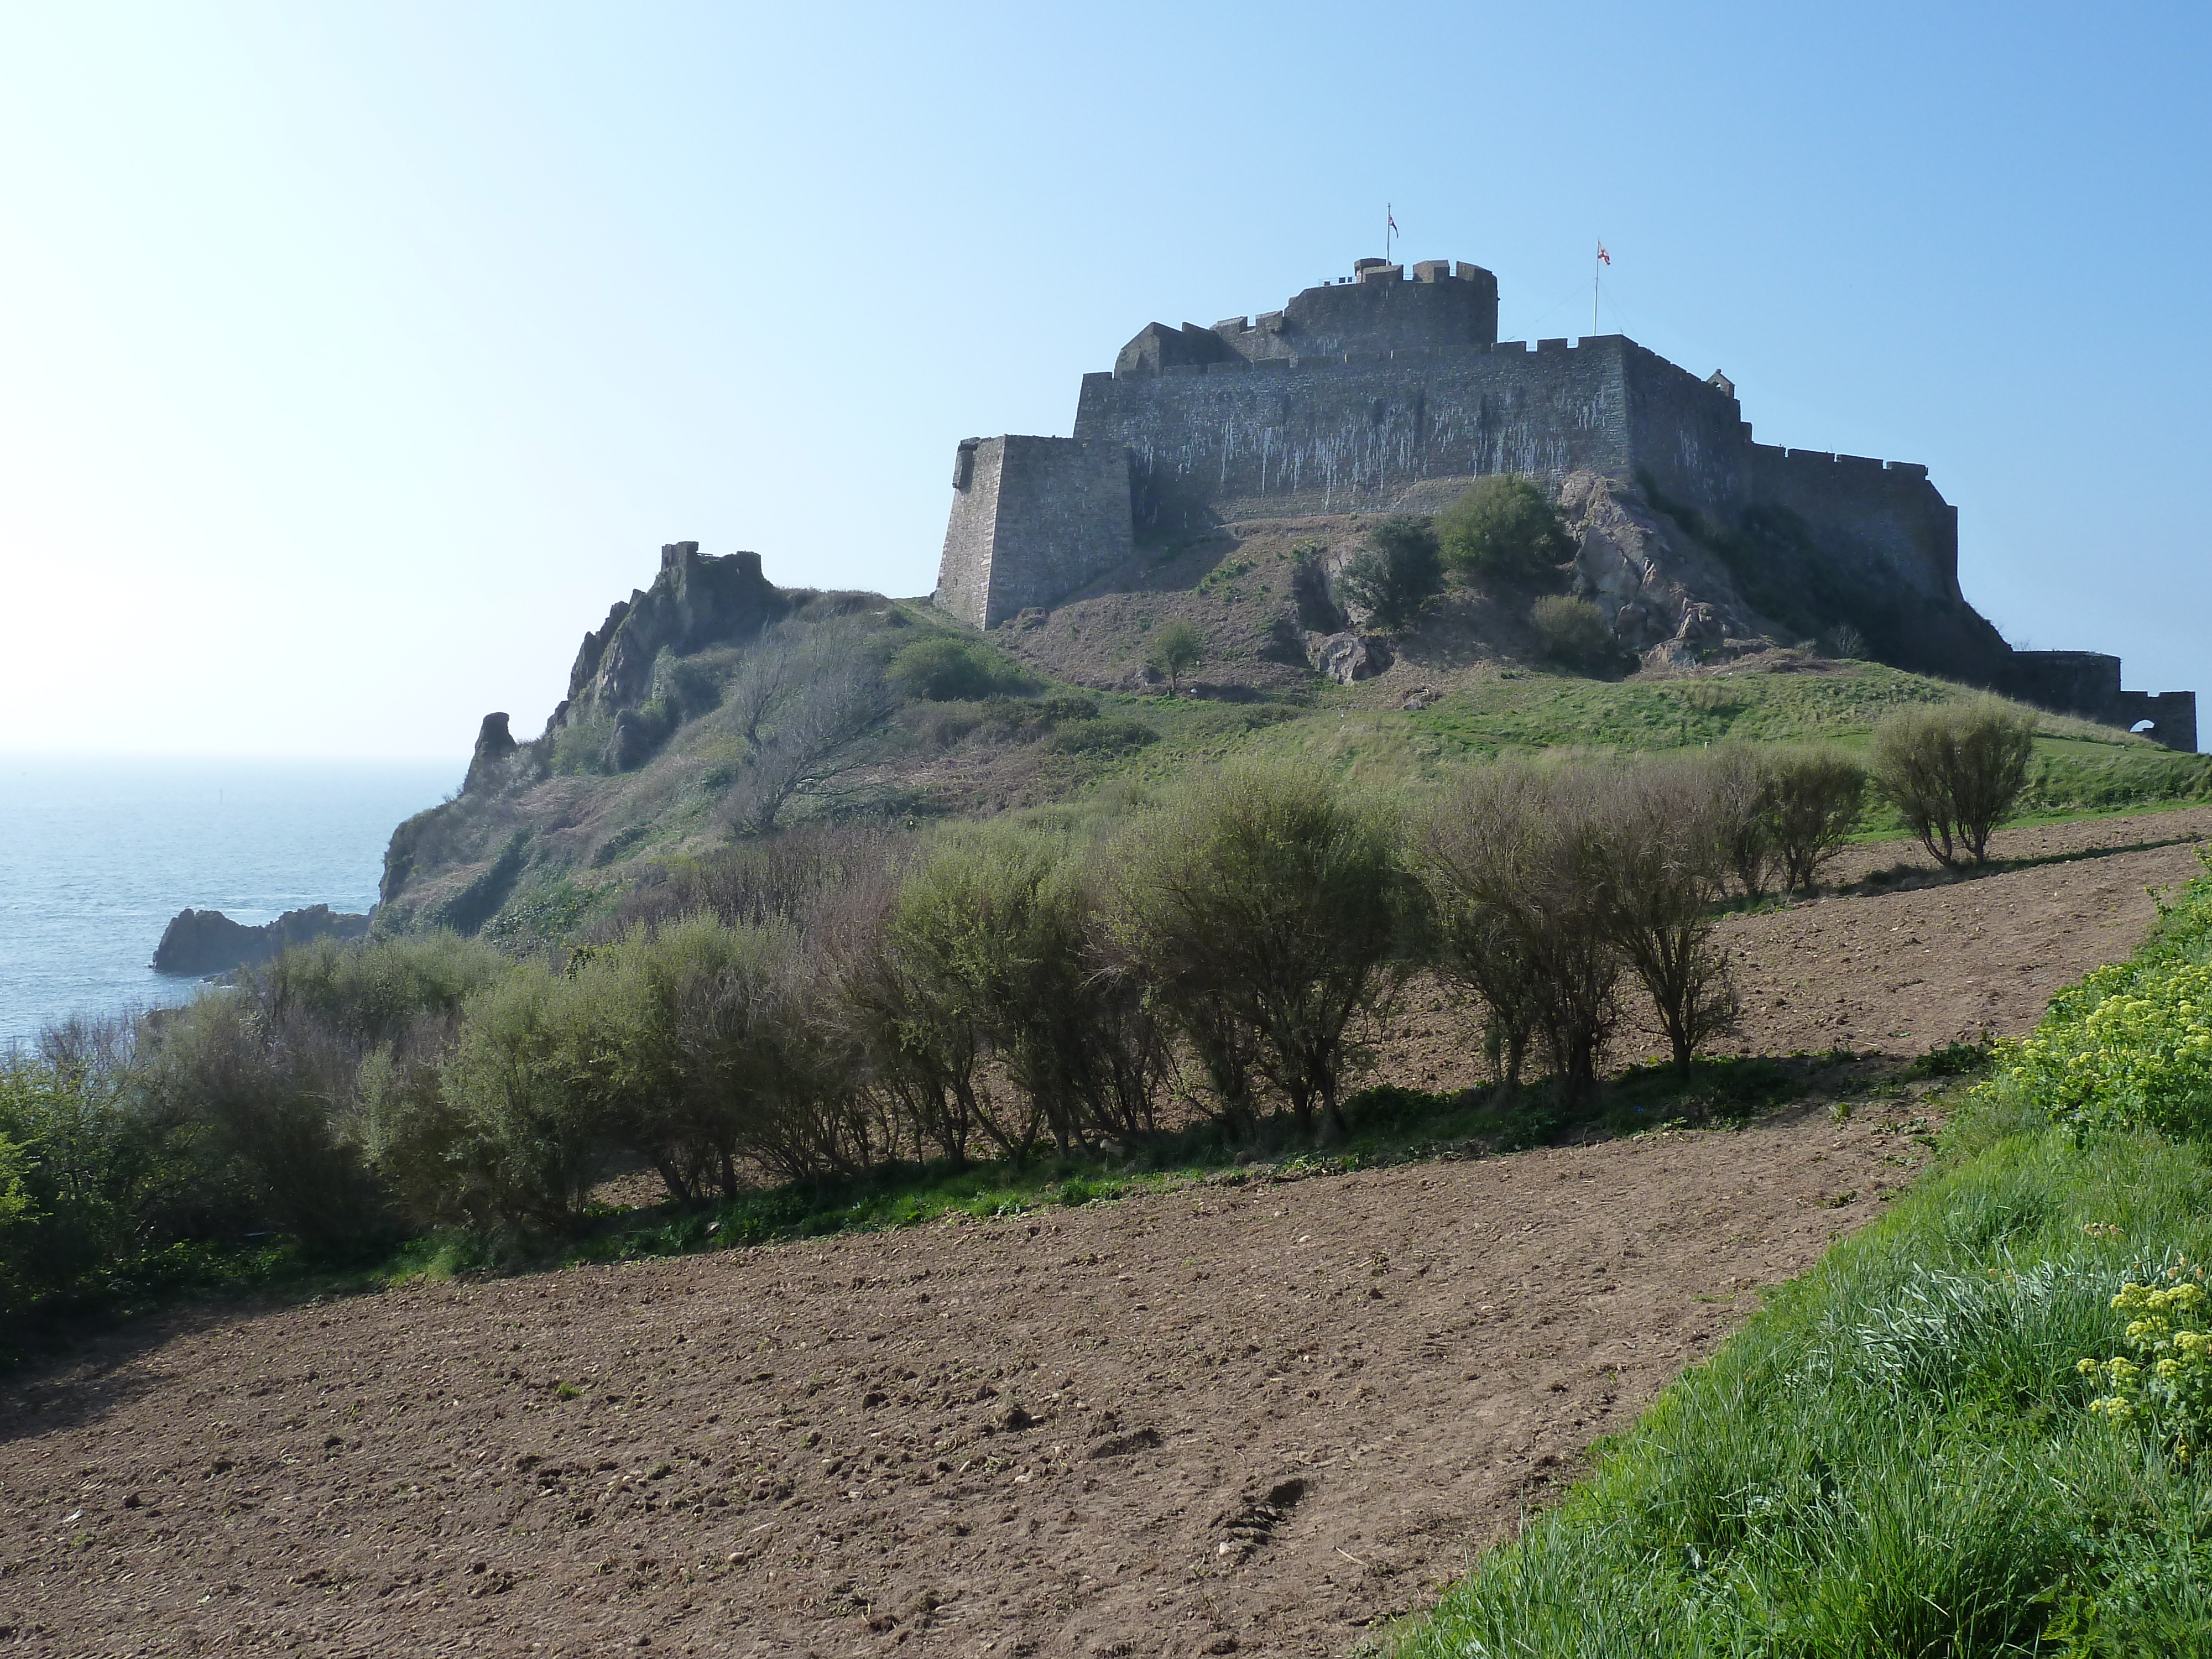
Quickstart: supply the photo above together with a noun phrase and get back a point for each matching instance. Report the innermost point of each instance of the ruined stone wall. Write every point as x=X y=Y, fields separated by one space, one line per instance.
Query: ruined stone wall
x=2087 y=684
x=1284 y=437
x=1033 y=519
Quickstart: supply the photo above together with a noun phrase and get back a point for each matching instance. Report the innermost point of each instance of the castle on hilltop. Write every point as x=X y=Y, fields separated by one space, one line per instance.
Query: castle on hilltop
x=1390 y=392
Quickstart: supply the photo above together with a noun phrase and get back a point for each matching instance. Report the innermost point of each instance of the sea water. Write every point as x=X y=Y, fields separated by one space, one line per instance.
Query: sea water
x=97 y=855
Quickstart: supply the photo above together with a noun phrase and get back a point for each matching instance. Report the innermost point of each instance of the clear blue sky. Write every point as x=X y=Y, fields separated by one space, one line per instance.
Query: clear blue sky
x=354 y=358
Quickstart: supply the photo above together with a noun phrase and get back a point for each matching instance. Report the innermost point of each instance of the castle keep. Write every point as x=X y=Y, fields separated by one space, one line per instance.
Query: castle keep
x=1391 y=392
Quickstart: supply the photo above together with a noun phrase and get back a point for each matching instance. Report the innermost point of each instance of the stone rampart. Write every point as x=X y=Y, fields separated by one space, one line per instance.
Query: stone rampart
x=1286 y=436
x=1033 y=519
x=2087 y=684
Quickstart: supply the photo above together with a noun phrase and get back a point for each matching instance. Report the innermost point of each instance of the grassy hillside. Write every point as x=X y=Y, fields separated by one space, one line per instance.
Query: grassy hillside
x=564 y=835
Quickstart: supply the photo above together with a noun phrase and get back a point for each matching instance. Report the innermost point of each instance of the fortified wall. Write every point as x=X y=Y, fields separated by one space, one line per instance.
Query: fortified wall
x=1389 y=391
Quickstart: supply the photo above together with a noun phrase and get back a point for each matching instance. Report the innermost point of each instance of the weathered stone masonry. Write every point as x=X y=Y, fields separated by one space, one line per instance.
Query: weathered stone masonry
x=1391 y=392
x=1033 y=519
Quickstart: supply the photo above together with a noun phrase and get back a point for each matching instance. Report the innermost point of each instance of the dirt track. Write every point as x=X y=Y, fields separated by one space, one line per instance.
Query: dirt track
x=1252 y=1419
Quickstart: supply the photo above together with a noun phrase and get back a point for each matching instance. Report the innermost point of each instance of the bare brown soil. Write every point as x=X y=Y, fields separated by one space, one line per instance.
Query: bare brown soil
x=1247 y=1418
x=1254 y=1417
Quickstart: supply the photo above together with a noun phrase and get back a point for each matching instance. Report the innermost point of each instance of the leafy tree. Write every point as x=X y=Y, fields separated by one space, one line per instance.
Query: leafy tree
x=1174 y=650
x=1503 y=526
x=1264 y=910
x=1954 y=771
x=1399 y=570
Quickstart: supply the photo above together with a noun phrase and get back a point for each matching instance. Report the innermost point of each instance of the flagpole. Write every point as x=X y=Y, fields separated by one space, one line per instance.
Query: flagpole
x=1595 y=266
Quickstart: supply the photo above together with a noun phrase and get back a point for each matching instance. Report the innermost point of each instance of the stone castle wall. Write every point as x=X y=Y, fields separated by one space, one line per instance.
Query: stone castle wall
x=1033 y=519
x=1283 y=437
x=1388 y=393
x=2087 y=684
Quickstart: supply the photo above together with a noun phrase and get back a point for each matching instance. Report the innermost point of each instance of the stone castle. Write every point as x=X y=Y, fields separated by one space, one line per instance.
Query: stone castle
x=1390 y=392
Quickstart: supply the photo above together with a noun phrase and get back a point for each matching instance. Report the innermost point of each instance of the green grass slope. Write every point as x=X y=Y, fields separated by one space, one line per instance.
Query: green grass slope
x=1898 y=1456
x=557 y=846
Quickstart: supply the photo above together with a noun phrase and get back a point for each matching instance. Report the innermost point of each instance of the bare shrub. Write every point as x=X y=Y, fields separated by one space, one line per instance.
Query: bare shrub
x=790 y=877
x=832 y=695
x=1663 y=832
x=764 y=675
x=1516 y=861
x=1735 y=780
x=1954 y=771
x=1809 y=799
x=1264 y=910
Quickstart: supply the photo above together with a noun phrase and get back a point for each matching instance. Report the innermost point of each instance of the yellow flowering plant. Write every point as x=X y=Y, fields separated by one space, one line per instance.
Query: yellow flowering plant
x=2167 y=1385
x=2123 y=1050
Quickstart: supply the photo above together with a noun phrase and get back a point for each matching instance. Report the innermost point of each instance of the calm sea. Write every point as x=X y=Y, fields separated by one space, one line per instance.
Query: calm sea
x=96 y=857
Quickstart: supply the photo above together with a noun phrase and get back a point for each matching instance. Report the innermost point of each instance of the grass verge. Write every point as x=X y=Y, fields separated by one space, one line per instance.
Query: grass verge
x=1897 y=1455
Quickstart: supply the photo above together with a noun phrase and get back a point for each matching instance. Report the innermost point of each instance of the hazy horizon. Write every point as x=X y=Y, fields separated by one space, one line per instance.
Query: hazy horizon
x=357 y=358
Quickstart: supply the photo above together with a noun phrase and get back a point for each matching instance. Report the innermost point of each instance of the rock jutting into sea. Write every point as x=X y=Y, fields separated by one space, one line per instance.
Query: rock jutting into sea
x=209 y=942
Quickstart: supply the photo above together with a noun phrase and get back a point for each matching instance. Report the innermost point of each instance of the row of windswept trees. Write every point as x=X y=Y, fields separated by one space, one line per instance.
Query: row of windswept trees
x=820 y=1004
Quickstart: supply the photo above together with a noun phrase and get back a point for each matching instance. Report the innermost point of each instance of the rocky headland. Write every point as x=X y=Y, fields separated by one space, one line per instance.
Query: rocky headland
x=199 y=942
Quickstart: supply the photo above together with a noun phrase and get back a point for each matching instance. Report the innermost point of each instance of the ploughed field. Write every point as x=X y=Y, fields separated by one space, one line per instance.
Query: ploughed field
x=1235 y=1417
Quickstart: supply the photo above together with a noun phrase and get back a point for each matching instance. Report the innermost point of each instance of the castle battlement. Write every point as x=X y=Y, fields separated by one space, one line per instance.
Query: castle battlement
x=1389 y=391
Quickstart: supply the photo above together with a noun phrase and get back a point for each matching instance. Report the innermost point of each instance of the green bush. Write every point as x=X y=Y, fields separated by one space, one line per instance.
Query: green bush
x=944 y=669
x=1398 y=572
x=1516 y=867
x=1808 y=803
x=1503 y=526
x=1004 y=920
x=1953 y=771
x=581 y=749
x=1573 y=632
x=1266 y=910
x=1174 y=650
x=1100 y=737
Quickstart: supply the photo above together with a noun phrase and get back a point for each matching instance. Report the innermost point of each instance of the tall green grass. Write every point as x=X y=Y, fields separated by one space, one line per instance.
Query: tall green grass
x=1896 y=1456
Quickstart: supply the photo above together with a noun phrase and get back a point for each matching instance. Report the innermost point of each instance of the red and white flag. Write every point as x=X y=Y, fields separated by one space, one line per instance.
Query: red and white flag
x=1603 y=255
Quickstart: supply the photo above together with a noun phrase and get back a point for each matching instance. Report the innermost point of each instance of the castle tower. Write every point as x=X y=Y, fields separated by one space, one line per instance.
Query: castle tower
x=1033 y=519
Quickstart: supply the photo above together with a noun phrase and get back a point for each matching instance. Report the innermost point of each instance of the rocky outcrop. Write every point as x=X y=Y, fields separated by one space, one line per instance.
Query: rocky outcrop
x=1348 y=656
x=696 y=601
x=1666 y=596
x=495 y=744
x=209 y=942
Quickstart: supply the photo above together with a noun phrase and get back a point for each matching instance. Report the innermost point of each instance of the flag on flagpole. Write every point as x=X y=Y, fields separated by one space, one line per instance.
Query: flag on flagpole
x=1603 y=255
x=1390 y=222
